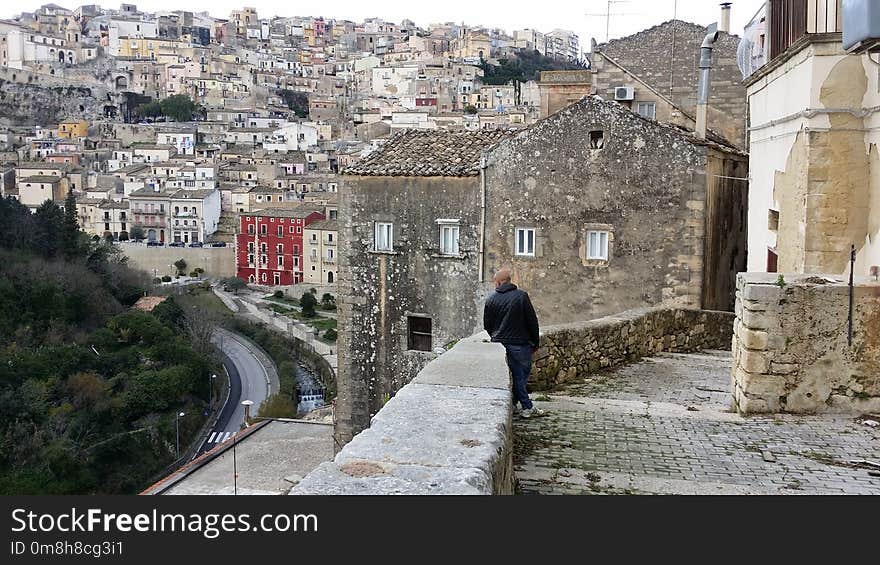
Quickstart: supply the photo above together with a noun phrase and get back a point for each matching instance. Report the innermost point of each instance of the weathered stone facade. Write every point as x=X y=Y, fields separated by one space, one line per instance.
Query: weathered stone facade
x=791 y=350
x=661 y=65
x=676 y=225
x=572 y=351
x=559 y=89
x=380 y=290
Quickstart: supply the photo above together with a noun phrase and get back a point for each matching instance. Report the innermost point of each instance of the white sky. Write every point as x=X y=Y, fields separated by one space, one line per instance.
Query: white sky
x=543 y=15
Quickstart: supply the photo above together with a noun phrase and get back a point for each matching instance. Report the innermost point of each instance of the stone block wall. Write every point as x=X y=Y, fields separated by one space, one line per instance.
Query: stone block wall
x=447 y=432
x=790 y=345
x=570 y=351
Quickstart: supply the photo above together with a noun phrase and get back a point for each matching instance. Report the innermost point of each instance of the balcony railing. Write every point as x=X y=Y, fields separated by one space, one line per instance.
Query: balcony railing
x=790 y=20
x=186 y=214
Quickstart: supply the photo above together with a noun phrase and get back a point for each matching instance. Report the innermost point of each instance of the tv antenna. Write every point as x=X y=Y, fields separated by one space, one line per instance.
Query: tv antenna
x=607 y=15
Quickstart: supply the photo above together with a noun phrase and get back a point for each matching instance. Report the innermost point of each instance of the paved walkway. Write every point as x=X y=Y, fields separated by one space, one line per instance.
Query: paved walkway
x=663 y=426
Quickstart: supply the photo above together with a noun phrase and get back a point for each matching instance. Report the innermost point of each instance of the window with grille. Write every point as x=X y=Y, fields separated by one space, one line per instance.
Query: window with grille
x=384 y=235
x=419 y=331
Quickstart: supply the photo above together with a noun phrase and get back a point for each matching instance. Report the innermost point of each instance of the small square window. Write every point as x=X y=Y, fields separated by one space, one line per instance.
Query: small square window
x=597 y=139
x=597 y=245
x=647 y=110
x=525 y=242
x=419 y=333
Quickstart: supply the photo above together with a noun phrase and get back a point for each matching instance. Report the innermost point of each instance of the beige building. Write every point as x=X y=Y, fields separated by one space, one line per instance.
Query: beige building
x=320 y=264
x=560 y=89
x=36 y=189
x=814 y=112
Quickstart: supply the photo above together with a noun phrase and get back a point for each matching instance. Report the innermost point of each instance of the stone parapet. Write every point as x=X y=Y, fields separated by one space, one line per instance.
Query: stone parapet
x=791 y=350
x=447 y=432
x=570 y=351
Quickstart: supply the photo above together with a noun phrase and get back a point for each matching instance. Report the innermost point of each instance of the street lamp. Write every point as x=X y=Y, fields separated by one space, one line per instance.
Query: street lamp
x=211 y=391
x=177 y=426
x=247 y=410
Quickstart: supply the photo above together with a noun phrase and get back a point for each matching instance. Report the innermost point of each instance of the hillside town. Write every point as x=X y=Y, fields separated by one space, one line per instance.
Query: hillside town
x=670 y=192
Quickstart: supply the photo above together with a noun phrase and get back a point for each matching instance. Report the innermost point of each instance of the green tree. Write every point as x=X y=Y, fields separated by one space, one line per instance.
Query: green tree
x=137 y=233
x=47 y=233
x=296 y=101
x=308 y=303
x=470 y=109
x=328 y=302
x=70 y=233
x=179 y=107
x=180 y=264
x=278 y=406
x=234 y=284
x=151 y=109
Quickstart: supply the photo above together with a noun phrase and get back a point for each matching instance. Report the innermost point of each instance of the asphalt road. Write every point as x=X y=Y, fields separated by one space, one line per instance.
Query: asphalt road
x=248 y=380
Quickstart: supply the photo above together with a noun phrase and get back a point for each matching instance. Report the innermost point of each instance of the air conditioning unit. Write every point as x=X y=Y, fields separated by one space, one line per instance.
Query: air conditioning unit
x=624 y=93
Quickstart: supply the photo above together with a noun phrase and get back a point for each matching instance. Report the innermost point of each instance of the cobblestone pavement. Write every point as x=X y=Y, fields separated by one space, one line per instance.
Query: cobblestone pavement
x=663 y=426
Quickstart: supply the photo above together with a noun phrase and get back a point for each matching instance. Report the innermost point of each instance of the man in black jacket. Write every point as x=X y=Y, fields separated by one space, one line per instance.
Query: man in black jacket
x=510 y=319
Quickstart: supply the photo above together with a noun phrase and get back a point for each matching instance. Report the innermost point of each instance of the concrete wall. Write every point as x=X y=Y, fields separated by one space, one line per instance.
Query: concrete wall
x=378 y=291
x=791 y=350
x=220 y=261
x=447 y=432
x=573 y=351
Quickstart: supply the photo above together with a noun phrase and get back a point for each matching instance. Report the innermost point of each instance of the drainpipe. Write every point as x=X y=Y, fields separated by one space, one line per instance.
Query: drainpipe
x=704 y=85
x=481 y=258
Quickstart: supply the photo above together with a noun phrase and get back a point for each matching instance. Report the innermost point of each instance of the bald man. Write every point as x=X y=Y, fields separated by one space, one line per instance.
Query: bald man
x=510 y=320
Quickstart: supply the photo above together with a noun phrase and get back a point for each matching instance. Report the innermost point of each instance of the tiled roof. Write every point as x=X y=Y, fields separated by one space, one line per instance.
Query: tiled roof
x=418 y=153
x=324 y=225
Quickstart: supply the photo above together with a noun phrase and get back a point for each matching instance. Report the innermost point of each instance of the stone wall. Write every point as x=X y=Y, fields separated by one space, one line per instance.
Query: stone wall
x=379 y=291
x=666 y=57
x=447 y=432
x=216 y=261
x=572 y=351
x=29 y=104
x=791 y=347
x=651 y=187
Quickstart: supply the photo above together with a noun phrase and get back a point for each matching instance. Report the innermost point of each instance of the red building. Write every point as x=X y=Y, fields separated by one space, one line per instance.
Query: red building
x=270 y=244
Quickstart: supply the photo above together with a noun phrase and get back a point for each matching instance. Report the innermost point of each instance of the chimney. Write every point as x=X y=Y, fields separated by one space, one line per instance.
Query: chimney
x=705 y=78
x=725 y=17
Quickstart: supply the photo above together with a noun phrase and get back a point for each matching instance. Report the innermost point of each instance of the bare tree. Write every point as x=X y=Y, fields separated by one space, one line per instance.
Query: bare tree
x=200 y=324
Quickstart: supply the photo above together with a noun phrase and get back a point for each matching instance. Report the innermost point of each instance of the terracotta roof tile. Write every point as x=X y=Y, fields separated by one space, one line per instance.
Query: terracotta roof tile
x=429 y=154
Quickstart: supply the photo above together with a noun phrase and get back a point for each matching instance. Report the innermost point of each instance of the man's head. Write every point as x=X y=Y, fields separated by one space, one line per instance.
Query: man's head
x=501 y=277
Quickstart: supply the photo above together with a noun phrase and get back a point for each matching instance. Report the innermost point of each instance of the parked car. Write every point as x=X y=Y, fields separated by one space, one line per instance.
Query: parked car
x=196 y=244
x=154 y=243
x=177 y=244
x=218 y=244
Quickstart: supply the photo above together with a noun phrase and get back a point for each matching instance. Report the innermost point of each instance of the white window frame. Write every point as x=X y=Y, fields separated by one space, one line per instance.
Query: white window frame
x=599 y=251
x=521 y=244
x=651 y=105
x=449 y=233
x=383 y=236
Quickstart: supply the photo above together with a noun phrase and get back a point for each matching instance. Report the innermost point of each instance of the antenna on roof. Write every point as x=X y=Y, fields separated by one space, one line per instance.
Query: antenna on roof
x=607 y=15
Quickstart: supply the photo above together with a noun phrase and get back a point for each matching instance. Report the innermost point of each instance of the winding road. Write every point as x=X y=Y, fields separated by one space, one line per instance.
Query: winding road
x=248 y=380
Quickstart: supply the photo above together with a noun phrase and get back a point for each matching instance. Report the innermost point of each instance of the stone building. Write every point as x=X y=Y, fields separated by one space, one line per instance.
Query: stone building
x=814 y=111
x=655 y=73
x=409 y=254
x=559 y=89
x=597 y=209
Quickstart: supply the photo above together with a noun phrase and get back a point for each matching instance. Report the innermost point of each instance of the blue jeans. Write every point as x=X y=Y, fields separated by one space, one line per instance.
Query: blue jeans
x=519 y=360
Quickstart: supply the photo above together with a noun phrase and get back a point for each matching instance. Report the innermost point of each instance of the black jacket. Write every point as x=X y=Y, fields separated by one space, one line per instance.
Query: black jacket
x=510 y=318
